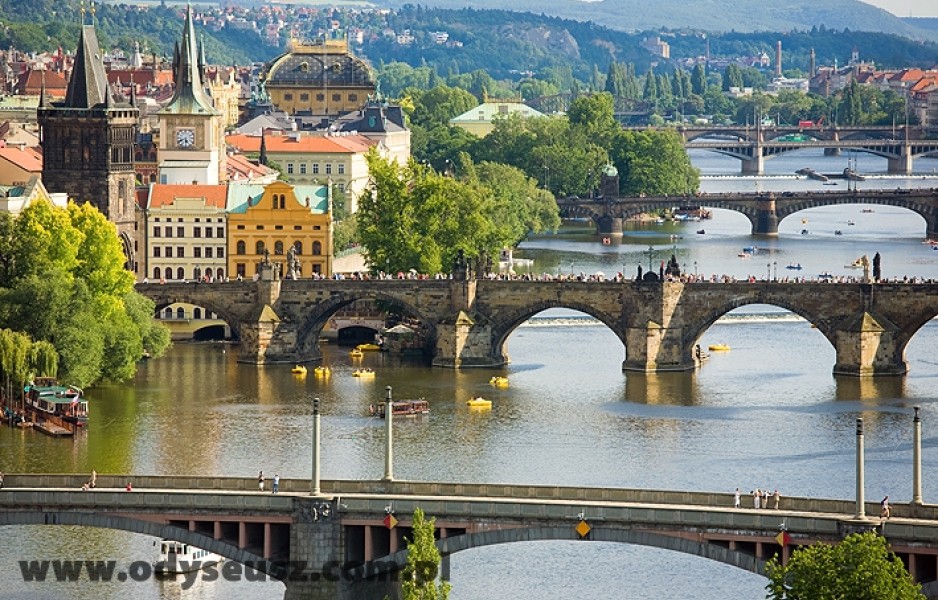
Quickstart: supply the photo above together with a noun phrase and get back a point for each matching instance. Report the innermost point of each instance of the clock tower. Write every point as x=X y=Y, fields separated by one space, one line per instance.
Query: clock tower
x=191 y=148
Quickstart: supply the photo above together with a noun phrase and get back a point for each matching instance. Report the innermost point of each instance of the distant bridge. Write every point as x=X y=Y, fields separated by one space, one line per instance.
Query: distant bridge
x=764 y=210
x=338 y=545
x=754 y=145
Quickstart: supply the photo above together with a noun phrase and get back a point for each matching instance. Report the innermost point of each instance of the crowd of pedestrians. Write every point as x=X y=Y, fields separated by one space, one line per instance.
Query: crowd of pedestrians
x=760 y=498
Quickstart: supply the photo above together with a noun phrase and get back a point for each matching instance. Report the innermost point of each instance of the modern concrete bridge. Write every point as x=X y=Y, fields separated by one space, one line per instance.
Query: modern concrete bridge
x=765 y=211
x=338 y=544
x=466 y=322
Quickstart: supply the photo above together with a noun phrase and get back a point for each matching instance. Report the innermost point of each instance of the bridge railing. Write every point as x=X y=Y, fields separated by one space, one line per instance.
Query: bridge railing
x=455 y=490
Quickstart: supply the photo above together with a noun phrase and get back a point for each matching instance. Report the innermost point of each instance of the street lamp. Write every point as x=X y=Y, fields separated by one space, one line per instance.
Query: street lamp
x=695 y=267
x=389 y=438
x=315 y=486
x=768 y=272
x=651 y=254
x=775 y=270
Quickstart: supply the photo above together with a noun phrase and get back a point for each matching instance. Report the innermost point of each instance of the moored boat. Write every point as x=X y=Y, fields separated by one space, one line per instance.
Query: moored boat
x=794 y=266
x=298 y=370
x=46 y=396
x=479 y=402
x=178 y=557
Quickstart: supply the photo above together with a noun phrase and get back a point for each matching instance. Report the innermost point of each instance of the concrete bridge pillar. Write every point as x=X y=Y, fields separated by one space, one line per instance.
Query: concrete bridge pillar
x=267 y=338
x=316 y=552
x=867 y=346
x=833 y=151
x=766 y=222
x=903 y=163
x=654 y=340
x=931 y=226
x=755 y=164
x=465 y=340
x=608 y=225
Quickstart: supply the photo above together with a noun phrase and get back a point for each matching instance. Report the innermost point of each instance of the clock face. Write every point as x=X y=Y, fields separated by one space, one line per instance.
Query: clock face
x=185 y=138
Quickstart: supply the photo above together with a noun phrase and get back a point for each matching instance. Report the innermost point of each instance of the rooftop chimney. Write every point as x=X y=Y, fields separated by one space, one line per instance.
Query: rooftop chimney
x=813 y=66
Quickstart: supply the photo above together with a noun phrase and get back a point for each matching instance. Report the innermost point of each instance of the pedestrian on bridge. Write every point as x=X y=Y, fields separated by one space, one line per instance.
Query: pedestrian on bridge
x=1 y=480
x=778 y=498
x=260 y=481
x=884 y=511
x=757 y=498
x=276 y=484
x=736 y=499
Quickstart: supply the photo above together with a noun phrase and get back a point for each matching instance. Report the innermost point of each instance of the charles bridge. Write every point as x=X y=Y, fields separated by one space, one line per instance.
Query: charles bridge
x=466 y=322
x=765 y=211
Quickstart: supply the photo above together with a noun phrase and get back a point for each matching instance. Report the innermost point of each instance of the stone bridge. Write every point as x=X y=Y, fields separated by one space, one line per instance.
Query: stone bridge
x=747 y=133
x=466 y=322
x=765 y=211
x=337 y=544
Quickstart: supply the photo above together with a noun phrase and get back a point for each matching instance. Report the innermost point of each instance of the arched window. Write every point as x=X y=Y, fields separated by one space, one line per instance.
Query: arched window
x=180 y=313
x=168 y=313
x=242 y=247
x=219 y=273
x=298 y=246
x=283 y=201
x=278 y=248
x=197 y=313
x=259 y=248
x=156 y=273
x=180 y=274
x=317 y=248
x=169 y=273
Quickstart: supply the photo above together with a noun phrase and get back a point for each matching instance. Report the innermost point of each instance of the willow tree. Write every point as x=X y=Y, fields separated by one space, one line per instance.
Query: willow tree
x=44 y=359
x=14 y=360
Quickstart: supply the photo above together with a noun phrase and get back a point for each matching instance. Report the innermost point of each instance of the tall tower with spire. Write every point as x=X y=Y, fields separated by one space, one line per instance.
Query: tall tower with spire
x=87 y=142
x=191 y=148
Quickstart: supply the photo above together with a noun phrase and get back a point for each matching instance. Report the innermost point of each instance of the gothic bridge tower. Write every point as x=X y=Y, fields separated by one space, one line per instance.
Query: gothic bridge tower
x=87 y=143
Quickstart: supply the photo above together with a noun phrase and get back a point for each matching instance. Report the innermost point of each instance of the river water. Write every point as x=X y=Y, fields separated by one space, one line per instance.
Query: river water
x=767 y=414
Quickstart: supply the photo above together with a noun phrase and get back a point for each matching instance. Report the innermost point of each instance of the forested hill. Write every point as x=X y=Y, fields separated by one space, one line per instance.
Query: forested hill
x=713 y=15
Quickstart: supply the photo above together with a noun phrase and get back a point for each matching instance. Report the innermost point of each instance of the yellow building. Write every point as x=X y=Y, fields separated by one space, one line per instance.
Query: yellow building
x=321 y=79
x=480 y=121
x=268 y=221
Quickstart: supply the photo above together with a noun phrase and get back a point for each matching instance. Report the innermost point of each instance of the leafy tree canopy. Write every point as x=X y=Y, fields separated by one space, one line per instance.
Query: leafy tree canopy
x=418 y=580
x=862 y=567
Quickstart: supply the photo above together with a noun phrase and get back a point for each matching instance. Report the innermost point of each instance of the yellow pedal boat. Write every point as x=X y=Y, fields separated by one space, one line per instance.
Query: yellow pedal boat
x=363 y=373
x=719 y=348
x=356 y=353
x=322 y=371
x=499 y=381
x=298 y=370
x=368 y=347
x=479 y=402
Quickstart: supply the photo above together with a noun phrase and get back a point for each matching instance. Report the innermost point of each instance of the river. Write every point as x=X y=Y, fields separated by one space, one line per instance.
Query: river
x=767 y=414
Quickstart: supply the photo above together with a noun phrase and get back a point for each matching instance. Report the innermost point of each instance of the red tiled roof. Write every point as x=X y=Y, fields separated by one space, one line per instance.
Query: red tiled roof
x=312 y=144
x=30 y=83
x=238 y=164
x=164 y=194
x=24 y=158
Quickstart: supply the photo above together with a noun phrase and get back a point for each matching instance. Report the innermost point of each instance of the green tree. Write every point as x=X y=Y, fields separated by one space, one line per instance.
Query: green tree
x=733 y=77
x=698 y=80
x=419 y=577
x=653 y=162
x=862 y=567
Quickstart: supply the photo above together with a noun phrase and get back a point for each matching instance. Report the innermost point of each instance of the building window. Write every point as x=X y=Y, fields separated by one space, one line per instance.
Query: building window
x=240 y=270
x=157 y=231
x=317 y=248
x=260 y=228
x=156 y=251
x=241 y=248
x=340 y=187
x=208 y=232
x=320 y=97
x=278 y=248
x=297 y=228
x=219 y=232
x=180 y=251
x=240 y=227
x=156 y=272
x=302 y=168
x=180 y=274
x=304 y=97
x=180 y=312
x=208 y=252
x=169 y=251
x=169 y=232
x=219 y=274
x=341 y=168
x=180 y=232
x=196 y=232
x=259 y=248
x=328 y=168
x=197 y=252
x=196 y=313
x=336 y=97
x=220 y=252
x=353 y=97
x=290 y=168
x=315 y=168
x=288 y=97
x=298 y=246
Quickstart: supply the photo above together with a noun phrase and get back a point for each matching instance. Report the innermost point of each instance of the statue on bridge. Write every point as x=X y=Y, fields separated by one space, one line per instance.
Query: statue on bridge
x=673 y=269
x=293 y=263
x=877 y=274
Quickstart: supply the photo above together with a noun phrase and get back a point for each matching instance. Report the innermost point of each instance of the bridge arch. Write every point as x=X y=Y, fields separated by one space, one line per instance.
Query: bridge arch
x=223 y=547
x=698 y=326
x=506 y=323
x=315 y=319
x=928 y=212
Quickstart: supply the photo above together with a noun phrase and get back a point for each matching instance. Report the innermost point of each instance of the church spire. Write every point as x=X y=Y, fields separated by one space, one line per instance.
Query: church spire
x=262 y=159
x=189 y=96
x=42 y=91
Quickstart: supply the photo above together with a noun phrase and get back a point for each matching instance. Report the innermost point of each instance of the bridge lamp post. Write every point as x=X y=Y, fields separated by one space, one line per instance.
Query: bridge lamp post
x=315 y=491
x=695 y=268
x=768 y=271
x=651 y=254
x=775 y=270
x=389 y=438
x=861 y=503
x=917 y=458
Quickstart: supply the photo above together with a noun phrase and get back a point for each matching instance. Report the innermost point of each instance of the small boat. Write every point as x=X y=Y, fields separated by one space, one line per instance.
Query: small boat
x=851 y=223
x=402 y=408
x=365 y=373
x=499 y=381
x=368 y=347
x=804 y=232
x=46 y=395
x=298 y=370
x=718 y=348
x=356 y=353
x=825 y=276
x=794 y=266
x=701 y=231
x=804 y=221
x=838 y=232
x=178 y=557
x=857 y=264
x=867 y=210
x=479 y=402
x=322 y=371
x=744 y=255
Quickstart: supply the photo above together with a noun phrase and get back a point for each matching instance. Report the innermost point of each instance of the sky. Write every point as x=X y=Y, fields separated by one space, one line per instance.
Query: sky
x=905 y=8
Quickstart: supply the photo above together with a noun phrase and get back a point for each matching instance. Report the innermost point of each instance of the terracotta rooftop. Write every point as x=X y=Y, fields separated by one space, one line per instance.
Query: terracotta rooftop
x=24 y=158
x=162 y=195
x=311 y=144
